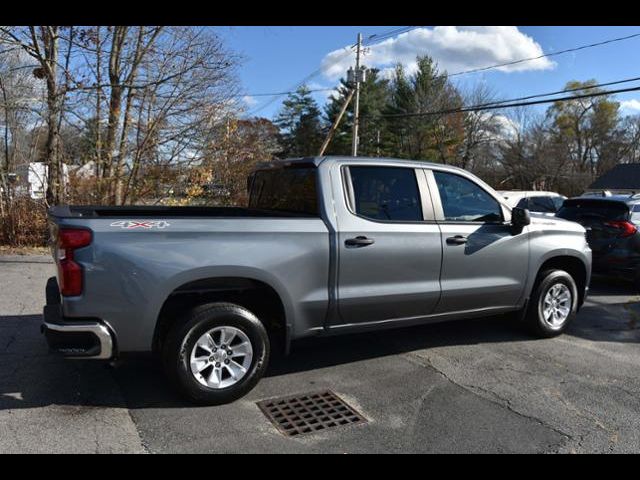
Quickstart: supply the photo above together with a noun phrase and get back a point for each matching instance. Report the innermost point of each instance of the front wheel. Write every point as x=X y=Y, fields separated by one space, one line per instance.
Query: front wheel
x=553 y=304
x=217 y=354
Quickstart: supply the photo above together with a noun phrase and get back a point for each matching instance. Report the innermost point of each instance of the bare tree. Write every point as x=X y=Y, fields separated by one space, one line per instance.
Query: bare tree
x=162 y=82
x=42 y=43
x=482 y=130
x=18 y=94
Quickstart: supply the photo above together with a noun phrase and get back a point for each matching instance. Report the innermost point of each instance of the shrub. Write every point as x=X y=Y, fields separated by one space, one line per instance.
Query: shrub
x=24 y=224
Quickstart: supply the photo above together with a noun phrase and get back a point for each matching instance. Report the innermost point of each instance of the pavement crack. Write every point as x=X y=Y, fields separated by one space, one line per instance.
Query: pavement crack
x=493 y=396
x=12 y=339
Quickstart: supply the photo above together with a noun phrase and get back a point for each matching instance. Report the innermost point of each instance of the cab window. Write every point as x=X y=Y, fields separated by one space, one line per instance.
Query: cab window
x=464 y=201
x=386 y=193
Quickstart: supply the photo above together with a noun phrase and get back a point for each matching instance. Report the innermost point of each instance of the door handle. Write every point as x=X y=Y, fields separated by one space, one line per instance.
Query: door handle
x=457 y=240
x=359 y=242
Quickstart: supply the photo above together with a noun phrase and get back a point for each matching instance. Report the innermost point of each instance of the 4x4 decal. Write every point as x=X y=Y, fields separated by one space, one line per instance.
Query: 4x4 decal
x=131 y=224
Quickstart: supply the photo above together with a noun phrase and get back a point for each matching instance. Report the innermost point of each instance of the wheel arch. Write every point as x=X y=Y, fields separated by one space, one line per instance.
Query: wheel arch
x=573 y=265
x=260 y=295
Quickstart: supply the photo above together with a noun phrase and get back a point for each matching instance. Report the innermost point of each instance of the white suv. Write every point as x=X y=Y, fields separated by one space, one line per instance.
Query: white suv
x=534 y=200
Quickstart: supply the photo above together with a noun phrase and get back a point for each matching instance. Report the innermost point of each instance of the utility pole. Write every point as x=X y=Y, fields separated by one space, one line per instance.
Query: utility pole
x=334 y=127
x=356 y=106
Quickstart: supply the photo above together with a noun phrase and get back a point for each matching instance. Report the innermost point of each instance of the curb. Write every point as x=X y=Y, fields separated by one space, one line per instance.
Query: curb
x=45 y=259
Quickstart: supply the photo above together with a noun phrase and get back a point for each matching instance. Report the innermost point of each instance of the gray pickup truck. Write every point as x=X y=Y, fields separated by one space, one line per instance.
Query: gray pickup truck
x=326 y=246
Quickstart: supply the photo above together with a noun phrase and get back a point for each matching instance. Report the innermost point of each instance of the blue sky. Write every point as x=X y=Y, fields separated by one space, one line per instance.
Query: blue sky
x=277 y=58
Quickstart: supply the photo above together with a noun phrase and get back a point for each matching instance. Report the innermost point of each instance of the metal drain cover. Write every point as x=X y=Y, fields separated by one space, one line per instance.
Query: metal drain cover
x=307 y=413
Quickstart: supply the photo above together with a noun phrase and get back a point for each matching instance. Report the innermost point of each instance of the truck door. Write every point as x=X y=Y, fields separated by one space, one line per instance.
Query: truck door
x=389 y=246
x=484 y=263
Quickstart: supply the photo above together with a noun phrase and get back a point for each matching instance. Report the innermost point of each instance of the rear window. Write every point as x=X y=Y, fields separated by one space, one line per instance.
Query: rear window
x=580 y=209
x=290 y=190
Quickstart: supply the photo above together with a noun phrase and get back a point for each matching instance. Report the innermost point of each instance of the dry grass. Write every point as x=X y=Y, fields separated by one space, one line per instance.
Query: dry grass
x=24 y=224
x=4 y=250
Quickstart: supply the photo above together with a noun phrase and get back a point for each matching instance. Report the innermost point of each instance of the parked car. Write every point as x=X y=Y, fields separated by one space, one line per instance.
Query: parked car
x=534 y=201
x=612 y=232
x=326 y=246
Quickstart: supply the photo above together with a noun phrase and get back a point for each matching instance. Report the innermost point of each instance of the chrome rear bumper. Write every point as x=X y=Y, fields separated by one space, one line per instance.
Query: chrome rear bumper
x=74 y=338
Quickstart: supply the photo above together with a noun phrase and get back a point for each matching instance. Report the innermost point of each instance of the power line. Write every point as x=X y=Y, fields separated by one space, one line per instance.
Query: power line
x=497 y=102
x=376 y=38
x=481 y=107
x=379 y=37
x=552 y=54
x=391 y=33
x=280 y=94
x=315 y=90
x=566 y=90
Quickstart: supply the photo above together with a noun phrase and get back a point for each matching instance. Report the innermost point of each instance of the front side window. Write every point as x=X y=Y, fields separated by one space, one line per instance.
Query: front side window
x=386 y=193
x=464 y=201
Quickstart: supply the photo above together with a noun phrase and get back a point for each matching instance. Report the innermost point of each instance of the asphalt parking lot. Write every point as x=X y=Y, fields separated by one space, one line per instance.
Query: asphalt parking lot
x=469 y=386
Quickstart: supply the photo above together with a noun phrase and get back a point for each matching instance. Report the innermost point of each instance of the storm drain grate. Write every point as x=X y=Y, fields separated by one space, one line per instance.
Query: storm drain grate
x=309 y=413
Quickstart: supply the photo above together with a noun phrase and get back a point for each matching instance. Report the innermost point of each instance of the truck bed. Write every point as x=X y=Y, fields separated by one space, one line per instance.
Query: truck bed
x=91 y=211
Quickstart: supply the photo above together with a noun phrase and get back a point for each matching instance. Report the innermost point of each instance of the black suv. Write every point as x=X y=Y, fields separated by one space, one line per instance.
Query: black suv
x=612 y=232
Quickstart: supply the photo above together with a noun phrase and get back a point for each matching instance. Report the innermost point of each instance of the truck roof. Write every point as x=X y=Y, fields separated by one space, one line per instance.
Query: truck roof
x=316 y=161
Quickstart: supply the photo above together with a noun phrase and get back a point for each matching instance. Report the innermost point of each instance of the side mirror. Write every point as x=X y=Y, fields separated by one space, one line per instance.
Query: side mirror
x=520 y=217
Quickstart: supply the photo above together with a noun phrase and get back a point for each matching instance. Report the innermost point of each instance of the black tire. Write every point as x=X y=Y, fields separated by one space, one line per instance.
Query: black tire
x=534 y=319
x=181 y=340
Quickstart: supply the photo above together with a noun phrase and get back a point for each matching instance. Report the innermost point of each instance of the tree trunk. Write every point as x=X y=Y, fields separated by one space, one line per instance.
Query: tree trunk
x=6 y=167
x=115 y=106
x=54 y=184
x=126 y=122
x=55 y=194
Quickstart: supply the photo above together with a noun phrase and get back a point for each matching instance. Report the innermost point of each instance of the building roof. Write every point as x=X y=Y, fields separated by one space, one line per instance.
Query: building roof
x=621 y=177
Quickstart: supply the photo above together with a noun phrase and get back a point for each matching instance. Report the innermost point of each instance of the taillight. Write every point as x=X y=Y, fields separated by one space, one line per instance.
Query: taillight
x=626 y=228
x=69 y=240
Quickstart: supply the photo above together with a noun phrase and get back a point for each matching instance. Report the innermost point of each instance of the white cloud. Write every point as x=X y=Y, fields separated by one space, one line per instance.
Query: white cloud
x=454 y=49
x=249 y=101
x=630 y=105
x=508 y=127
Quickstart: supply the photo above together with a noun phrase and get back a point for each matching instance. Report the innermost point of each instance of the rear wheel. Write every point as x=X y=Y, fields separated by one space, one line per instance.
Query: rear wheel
x=553 y=303
x=217 y=354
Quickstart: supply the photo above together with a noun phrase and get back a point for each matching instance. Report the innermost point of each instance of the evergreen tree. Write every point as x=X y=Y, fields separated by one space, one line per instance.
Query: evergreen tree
x=425 y=137
x=374 y=93
x=300 y=124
